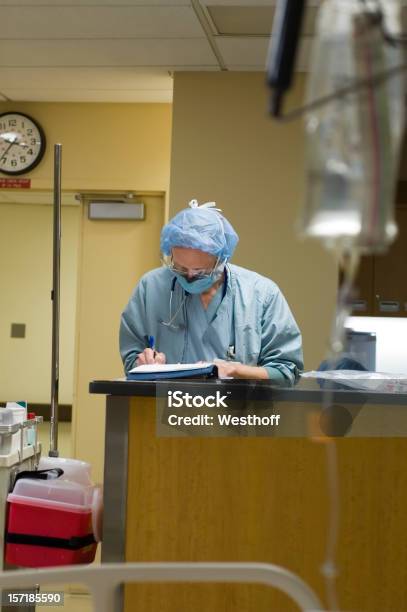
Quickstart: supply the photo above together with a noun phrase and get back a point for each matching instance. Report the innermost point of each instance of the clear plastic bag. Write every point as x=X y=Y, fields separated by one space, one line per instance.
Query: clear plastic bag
x=368 y=381
x=352 y=142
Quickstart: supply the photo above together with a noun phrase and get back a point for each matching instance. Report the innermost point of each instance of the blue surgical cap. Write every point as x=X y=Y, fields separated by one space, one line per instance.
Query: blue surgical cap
x=200 y=227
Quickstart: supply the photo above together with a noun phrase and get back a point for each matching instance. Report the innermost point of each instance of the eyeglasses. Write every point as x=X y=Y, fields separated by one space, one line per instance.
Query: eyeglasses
x=195 y=273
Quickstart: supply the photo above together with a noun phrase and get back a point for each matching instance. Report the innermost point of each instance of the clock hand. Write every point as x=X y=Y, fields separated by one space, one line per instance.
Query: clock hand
x=15 y=141
x=7 y=139
x=7 y=150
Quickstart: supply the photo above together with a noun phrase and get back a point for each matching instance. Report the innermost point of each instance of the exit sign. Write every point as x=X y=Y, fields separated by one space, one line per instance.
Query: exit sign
x=15 y=183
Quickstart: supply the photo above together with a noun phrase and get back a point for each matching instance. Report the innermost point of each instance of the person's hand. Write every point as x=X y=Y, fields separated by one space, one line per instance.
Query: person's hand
x=148 y=356
x=235 y=369
x=227 y=369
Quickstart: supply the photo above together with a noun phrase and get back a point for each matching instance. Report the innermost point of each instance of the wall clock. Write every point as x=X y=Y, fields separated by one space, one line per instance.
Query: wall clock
x=22 y=143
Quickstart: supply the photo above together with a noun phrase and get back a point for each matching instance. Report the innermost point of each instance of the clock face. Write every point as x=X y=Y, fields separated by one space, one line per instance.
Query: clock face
x=22 y=143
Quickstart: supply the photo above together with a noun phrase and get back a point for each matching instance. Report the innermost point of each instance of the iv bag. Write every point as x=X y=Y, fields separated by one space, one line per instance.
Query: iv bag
x=352 y=142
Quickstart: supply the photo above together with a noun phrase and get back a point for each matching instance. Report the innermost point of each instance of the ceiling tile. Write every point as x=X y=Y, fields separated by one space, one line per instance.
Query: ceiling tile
x=243 y=51
x=83 y=95
x=232 y=3
x=252 y=20
x=251 y=53
x=123 y=50
x=84 y=78
x=171 y=53
x=99 y=22
x=96 y=3
x=251 y=3
x=242 y=20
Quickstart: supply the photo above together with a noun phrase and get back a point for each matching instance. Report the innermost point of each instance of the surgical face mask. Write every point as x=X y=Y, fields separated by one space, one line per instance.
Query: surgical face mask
x=199 y=285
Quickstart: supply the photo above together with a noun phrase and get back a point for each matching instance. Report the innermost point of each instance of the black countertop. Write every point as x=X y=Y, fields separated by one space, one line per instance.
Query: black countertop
x=307 y=390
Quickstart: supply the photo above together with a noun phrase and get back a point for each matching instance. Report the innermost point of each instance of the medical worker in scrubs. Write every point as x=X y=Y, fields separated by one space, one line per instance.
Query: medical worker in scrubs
x=200 y=307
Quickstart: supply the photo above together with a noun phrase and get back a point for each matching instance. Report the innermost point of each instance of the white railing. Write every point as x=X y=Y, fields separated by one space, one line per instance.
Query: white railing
x=104 y=580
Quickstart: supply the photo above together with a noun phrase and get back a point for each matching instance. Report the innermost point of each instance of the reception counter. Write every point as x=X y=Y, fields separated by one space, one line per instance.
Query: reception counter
x=258 y=494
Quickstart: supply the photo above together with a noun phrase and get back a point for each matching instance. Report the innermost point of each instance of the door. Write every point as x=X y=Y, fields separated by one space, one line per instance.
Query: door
x=114 y=255
x=26 y=222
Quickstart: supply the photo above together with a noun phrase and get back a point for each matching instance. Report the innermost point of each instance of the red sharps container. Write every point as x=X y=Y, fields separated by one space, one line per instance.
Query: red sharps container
x=52 y=522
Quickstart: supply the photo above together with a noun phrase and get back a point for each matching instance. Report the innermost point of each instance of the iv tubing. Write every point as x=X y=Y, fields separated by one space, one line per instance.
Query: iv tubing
x=329 y=570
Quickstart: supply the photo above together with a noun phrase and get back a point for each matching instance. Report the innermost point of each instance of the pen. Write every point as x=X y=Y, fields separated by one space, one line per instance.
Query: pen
x=151 y=344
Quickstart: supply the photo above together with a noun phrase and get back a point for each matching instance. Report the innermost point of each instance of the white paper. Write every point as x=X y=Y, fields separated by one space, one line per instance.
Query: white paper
x=169 y=367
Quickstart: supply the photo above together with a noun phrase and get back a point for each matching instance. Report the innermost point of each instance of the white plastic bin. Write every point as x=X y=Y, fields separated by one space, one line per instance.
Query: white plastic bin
x=74 y=469
x=19 y=416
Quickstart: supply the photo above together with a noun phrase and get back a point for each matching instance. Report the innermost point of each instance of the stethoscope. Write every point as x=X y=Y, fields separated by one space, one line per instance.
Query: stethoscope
x=170 y=323
x=172 y=317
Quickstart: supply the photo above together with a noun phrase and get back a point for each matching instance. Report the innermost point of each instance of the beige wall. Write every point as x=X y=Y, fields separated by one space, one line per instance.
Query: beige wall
x=26 y=282
x=225 y=148
x=105 y=147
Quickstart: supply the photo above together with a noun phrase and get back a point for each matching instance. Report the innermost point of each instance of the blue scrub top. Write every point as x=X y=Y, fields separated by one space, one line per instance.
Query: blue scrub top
x=202 y=344
x=248 y=313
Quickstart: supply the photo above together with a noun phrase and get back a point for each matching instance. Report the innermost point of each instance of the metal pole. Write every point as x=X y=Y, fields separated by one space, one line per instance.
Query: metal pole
x=53 y=451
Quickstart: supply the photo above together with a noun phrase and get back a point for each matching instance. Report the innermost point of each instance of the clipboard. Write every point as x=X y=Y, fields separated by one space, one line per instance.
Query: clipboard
x=177 y=370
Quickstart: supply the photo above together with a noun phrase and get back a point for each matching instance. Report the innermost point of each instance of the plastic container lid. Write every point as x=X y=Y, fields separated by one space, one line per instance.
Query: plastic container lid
x=58 y=490
x=74 y=469
x=47 y=503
